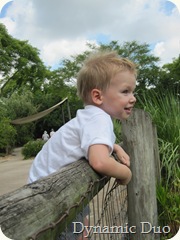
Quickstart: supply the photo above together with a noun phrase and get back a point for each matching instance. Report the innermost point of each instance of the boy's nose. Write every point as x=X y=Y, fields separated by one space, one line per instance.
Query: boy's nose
x=133 y=99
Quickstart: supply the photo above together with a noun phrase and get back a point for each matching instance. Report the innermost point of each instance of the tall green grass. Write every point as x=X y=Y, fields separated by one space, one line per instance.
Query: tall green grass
x=165 y=112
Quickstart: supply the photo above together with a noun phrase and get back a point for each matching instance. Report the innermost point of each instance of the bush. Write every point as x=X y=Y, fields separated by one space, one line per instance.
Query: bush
x=32 y=148
x=19 y=106
x=8 y=135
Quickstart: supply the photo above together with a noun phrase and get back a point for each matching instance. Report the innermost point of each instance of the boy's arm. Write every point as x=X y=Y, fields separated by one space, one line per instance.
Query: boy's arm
x=122 y=155
x=101 y=162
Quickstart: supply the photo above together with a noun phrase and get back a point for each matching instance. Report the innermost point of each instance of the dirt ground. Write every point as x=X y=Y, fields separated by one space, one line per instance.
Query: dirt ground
x=13 y=171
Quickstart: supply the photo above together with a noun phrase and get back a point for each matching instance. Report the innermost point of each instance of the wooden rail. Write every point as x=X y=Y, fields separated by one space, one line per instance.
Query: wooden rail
x=38 y=207
x=35 y=206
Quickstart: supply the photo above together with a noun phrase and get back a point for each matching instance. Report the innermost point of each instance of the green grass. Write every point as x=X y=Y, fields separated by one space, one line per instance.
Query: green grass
x=165 y=111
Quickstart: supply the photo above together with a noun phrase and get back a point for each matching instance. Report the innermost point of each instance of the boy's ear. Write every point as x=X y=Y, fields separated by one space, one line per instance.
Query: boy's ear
x=96 y=96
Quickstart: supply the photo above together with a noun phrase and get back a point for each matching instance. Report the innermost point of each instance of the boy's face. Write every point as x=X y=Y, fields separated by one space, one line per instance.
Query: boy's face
x=118 y=100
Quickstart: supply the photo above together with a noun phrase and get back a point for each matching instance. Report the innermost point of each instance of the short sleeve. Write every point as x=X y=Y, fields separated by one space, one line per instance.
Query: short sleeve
x=98 y=130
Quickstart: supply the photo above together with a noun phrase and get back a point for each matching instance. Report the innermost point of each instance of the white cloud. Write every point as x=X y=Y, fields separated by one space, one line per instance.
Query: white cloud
x=61 y=28
x=52 y=51
x=159 y=49
x=10 y=25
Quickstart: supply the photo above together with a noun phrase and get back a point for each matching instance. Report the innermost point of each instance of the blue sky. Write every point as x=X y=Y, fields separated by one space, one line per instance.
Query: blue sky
x=4 y=9
x=168 y=7
x=60 y=29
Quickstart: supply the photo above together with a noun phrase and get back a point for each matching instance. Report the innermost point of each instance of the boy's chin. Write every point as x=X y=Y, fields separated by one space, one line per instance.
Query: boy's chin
x=125 y=117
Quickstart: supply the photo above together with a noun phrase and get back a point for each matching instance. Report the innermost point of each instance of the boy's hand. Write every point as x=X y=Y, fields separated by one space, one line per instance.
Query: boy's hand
x=122 y=155
x=123 y=182
x=100 y=160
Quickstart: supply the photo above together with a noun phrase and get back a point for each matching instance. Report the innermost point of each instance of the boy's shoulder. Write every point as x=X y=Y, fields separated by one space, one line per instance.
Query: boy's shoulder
x=91 y=109
x=87 y=116
x=92 y=113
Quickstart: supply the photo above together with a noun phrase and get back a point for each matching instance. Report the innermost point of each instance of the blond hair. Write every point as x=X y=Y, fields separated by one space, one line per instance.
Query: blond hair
x=98 y=70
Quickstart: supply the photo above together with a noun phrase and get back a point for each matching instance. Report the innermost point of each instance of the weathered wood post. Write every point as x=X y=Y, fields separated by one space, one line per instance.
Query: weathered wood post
x=138 y=141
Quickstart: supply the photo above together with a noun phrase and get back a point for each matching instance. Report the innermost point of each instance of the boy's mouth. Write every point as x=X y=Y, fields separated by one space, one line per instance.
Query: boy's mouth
x=128 y=110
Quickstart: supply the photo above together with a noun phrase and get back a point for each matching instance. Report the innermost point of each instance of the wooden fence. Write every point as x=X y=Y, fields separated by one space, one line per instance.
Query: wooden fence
x=140 y=142
x=37 y=210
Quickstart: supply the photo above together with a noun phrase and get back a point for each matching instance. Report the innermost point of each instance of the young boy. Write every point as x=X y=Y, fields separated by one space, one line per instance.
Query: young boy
x=105 y=84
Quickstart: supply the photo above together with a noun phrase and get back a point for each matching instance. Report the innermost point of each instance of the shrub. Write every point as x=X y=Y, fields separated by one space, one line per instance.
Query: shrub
x=31 y=148
x=8 y=134
x=19 y=106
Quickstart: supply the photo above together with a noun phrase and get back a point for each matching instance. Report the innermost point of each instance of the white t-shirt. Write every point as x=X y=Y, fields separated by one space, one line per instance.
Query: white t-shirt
x=71 y=142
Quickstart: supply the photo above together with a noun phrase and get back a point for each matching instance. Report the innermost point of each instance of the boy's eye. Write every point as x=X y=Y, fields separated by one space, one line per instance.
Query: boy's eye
x=125 y=91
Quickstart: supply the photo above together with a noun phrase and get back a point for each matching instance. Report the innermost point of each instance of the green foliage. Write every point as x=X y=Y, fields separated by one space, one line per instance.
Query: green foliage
x=8 y=134
x=3 y=109
x=20 y=64
x=31 y=148
x=169 y=156
x=29 y=87
x=169 y=77
x=117 y=130
x=22 y=71
x=25 y=133
x=70 y=67
x=168 y=207
x=164 y=108
x=139 y=53
x=18 y=106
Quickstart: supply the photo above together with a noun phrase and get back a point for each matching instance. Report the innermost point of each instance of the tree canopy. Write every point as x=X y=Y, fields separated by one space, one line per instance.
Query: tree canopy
x=22 y=71
x=20 y=64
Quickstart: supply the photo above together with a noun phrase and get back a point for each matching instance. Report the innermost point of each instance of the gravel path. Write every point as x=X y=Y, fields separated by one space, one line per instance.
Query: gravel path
x=13 y=171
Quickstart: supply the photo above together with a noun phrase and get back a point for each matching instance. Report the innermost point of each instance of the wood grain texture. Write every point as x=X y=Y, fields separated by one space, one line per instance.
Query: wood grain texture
x=140 y=141
x=34 y=206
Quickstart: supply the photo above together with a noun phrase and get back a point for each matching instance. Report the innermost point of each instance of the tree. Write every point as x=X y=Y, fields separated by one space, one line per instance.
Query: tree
x=53 y=91
x=169 y=79
x=20 y=64
x=18 y=106
x=146 y=62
